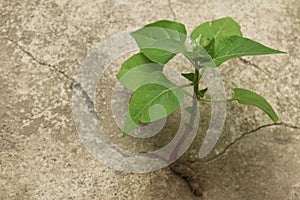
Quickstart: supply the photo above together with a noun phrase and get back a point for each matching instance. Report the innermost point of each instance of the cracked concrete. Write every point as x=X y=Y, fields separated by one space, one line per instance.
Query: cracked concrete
x=239 y=138
x=41 y=157
x=55 y=68
x=265 y=71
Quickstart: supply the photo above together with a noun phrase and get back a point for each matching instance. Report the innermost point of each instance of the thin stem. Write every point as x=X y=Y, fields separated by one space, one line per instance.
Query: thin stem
x=189 y=126
x=188 y=129
x=219 y=100
x=196 y=82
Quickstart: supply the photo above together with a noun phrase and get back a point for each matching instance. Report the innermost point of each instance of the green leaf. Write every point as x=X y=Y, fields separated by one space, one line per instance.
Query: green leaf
x=199 y=57
x=216 y=29
x=222 y=39
x=189 y=76
x=207 y=36
x=138 y=70
x=210 y=48
x=161 y=40
x=152 y=102
x=247 y=97
x=202 y=92
x=134 y=61
x=235 y=46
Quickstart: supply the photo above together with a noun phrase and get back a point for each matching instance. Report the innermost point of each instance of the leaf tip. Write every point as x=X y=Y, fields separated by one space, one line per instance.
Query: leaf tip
x=275 y=118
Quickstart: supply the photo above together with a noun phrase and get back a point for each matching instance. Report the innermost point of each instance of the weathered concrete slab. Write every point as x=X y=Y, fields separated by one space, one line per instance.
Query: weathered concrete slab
x=43 y=43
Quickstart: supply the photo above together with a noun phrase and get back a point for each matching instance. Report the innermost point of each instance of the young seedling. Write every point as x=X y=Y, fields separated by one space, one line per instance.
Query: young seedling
x=212 y=43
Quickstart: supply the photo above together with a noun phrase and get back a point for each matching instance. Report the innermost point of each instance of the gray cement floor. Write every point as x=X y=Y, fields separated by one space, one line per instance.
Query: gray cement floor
x=43 y=43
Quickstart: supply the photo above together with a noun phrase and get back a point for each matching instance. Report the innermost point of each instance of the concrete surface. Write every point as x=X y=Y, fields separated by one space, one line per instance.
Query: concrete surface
x=41 y=157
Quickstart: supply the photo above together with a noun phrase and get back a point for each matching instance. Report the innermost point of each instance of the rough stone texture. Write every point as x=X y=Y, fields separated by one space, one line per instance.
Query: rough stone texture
x=44 y=42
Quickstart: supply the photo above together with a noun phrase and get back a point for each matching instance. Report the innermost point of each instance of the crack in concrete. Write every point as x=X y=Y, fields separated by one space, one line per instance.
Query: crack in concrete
x=91 y=106
x=172 y=10
x=248 y=133
x=88 y=101
x=247 y=62
x=74 y=84
x=53 y=67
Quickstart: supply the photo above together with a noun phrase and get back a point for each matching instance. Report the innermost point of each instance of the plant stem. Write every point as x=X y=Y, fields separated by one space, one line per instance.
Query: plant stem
x=196 y=83
x=189 y=126
x=218 y=100
x=187 y=131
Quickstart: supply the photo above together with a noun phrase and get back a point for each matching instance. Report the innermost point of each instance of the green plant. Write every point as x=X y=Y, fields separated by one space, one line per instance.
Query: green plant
x=212 y=43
